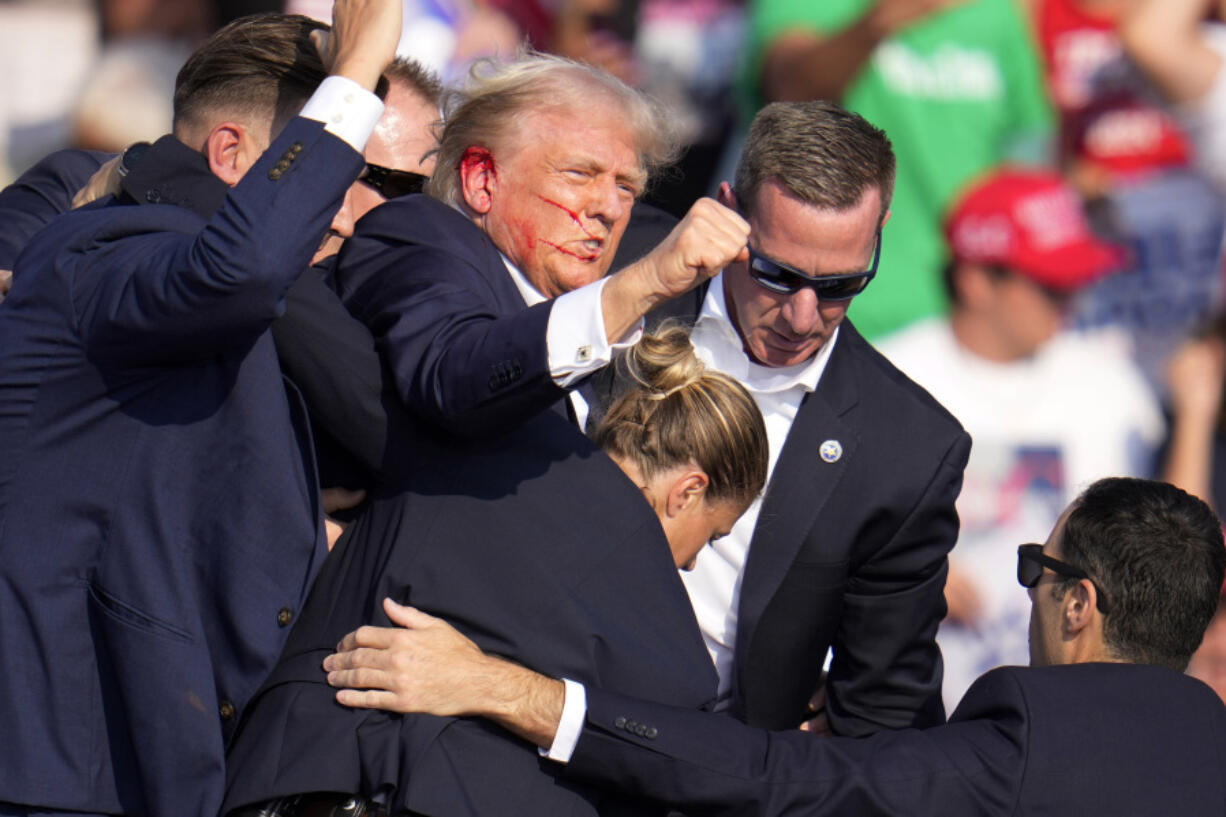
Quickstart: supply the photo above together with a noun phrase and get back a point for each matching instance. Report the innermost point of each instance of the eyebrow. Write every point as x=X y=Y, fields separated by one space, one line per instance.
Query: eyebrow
x=637 y=179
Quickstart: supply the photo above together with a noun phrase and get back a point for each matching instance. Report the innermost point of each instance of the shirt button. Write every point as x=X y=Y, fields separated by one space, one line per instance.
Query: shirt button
x=349 y=98
x=225 y=709
x=285 y=616
x=338 y=118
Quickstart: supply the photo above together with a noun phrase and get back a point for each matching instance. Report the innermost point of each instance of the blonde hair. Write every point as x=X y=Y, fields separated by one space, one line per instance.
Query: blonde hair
x=679 y=412
x=498 y=95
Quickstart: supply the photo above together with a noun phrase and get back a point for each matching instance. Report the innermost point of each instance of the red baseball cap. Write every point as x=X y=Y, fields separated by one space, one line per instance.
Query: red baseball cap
x=1031 y=222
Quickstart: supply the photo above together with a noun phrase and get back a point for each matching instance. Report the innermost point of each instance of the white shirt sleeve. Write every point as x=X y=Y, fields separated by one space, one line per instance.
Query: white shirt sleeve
x=575 y=337
x=574 y=713
x=347 y=110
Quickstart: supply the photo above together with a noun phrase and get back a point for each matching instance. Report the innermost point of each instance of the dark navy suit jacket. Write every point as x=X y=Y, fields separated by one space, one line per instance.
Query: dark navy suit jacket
x=159 y=520
x=1094 y=740
x=537 y=546
x=465 y=354
x=40 y=194
x=848 y=554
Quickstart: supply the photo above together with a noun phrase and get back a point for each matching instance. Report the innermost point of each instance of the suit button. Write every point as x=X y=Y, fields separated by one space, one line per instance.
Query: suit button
x=630 y=725
x=274 y=174
x=620 y=723
x=153 y=196
x=296 y=148
x=285 y=616
x=225 y=709
x=652 y=732
x=640 y=730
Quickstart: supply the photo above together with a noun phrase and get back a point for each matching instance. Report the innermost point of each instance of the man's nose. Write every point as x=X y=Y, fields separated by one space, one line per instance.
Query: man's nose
x=609 y=202
x=801 y=311
x=342 y=222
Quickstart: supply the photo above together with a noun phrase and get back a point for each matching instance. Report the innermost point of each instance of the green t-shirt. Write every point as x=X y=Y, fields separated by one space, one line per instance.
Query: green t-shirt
x=957 y=93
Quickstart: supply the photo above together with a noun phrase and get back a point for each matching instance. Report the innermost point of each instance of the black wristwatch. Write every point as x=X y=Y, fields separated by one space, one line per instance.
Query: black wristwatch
x=131 y=156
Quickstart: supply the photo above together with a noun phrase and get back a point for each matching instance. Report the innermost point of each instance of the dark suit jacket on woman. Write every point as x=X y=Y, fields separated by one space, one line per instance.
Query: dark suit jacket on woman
x=1094 y=740
x=539 y=548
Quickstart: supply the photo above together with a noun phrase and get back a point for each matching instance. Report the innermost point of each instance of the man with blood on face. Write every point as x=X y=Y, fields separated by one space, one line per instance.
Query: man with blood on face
x=489 y=298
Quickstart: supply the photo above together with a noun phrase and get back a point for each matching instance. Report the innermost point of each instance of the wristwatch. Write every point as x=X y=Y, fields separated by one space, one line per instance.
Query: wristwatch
x=131 y=156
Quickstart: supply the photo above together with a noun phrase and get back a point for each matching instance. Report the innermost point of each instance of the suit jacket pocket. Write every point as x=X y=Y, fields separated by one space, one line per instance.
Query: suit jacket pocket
x=125 y=613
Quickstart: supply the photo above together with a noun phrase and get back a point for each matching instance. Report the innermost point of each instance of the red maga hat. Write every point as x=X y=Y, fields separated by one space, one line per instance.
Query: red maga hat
x=1031 y=222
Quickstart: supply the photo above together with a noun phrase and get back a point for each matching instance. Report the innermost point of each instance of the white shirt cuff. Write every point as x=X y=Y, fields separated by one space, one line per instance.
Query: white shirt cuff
x=347 y=110
x=574 y=713
x=575 y=338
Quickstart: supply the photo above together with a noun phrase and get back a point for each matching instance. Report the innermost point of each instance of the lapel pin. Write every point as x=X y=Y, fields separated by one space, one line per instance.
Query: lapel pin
x=831 y=450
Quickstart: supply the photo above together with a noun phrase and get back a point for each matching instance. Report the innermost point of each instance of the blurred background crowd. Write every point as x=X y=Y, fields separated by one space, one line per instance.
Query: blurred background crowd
x=1060 y=377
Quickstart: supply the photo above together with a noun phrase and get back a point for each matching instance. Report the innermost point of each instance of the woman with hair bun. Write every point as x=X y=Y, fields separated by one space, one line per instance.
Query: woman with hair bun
x=691 y=438
x=540 y=548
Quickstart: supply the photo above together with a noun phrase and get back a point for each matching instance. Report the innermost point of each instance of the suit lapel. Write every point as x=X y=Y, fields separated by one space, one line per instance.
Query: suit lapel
x=800 y=487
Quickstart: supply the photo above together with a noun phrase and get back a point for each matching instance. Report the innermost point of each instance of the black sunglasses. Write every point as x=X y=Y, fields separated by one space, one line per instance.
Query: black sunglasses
x=392 y=183
x=1030 y=563
x=785 y=280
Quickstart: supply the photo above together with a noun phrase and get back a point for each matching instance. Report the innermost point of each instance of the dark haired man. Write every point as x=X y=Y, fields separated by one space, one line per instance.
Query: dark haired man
x=1102 y=723
x=160 y=519
x=1020 y=250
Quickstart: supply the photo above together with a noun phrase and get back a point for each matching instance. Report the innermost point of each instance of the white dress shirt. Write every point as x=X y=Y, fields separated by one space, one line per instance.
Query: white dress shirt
x=714 y=584
x=575 y=339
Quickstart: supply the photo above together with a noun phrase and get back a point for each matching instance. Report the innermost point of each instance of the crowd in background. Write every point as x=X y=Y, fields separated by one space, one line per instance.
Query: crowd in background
x=1059 y=381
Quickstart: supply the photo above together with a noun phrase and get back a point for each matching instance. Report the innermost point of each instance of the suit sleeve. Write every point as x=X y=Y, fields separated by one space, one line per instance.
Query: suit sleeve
x=331 y=357
x=146 y=295
x=39 y=195
x=887 y=671
x=458 y=360
x=710 y=764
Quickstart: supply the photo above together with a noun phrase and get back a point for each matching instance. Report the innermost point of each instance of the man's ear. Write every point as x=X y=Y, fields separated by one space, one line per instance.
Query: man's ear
x=886 y=218
x=725 y=196
x=687 y=492
x=224 y=147
x=478 y=179
x=1079 y=606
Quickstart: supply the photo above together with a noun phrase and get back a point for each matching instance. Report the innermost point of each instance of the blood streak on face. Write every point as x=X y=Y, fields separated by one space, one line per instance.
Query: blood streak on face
x=562 y=195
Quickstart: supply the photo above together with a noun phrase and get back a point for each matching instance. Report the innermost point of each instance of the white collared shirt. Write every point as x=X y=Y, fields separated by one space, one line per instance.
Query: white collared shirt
x=714 y=584
x=575 y=339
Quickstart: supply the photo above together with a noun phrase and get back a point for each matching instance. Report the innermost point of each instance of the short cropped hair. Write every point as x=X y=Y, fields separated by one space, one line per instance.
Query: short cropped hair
x=409 y=72
x=823 y=155
x=490 y=108
x=263 y=66
x=1157 y=554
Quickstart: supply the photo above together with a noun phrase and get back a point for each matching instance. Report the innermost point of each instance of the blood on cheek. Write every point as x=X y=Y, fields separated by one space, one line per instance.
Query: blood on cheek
x=589 y=256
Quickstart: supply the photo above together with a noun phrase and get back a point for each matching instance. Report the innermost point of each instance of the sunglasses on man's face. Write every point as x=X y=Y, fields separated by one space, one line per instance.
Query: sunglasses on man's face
x=1030 y=563
x=392 y=183
x=784 y=280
